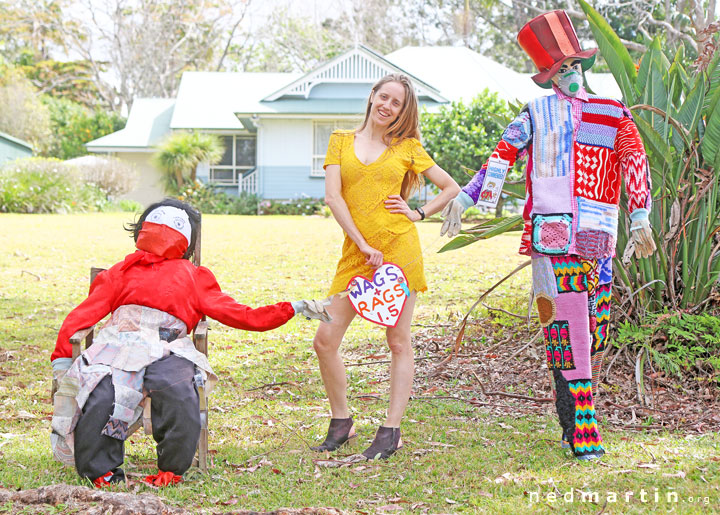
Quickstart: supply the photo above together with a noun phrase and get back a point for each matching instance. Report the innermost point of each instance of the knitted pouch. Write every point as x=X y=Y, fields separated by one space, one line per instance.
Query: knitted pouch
x=552 y=233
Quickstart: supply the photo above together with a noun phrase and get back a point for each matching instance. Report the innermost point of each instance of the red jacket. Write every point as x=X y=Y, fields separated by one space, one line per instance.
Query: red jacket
x=174 y=286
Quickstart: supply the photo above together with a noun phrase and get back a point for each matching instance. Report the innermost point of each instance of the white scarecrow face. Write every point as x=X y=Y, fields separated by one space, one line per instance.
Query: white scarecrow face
x=172 y=217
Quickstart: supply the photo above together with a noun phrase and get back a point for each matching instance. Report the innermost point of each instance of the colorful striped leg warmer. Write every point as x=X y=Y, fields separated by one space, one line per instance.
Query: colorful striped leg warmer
x=568 y=340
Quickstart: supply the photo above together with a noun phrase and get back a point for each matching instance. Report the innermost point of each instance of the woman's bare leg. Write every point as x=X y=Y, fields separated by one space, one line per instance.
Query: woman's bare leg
x=327 y=344
x=402 y=367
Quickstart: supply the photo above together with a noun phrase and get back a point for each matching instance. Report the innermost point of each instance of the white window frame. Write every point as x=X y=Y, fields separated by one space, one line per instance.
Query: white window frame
x=237 y=170
x=320 y=158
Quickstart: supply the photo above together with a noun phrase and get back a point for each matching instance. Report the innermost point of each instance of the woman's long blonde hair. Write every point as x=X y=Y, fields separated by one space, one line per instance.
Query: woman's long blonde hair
x=405 y=126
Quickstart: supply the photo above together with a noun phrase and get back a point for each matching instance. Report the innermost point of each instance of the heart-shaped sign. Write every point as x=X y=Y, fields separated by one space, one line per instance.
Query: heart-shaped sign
x=381 y=300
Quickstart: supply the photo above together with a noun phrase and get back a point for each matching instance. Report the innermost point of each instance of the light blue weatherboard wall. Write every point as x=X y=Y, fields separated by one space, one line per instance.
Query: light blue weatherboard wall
x=13 y=148
x=285 y=160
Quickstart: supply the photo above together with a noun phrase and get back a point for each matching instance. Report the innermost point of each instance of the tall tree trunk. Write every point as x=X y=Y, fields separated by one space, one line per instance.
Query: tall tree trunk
x=179 y=178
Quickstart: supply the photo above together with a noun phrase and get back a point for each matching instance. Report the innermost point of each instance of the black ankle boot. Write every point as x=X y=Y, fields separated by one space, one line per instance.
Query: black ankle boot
x=387 y=441
x=338 y=434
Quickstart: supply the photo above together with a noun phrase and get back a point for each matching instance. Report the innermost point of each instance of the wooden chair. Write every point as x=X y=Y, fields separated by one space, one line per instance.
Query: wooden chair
x=201 y=344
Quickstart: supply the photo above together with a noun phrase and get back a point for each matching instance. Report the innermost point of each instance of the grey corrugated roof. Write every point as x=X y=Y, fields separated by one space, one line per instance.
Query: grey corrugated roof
x=147 y=124
x=15 y=140
x=208 y=100
x=460 y=74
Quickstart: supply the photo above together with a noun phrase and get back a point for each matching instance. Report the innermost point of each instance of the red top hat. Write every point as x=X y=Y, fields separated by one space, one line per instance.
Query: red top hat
x=549 y=39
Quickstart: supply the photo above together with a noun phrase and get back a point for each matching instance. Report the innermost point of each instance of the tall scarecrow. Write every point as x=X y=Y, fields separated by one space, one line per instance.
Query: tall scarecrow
x=580 y=147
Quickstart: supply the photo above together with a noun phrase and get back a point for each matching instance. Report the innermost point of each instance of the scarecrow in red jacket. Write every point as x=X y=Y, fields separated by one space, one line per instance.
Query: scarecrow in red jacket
x=156 y=296
x=579 y=147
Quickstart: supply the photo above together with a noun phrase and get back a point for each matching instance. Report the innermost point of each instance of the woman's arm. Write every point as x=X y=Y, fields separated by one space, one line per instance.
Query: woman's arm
x=338 y=206
x=449 y=189
x=440 y=178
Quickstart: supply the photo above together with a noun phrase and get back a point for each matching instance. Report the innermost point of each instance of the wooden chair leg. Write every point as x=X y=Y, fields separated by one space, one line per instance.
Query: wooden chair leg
x=147 y=416
x=202 y=452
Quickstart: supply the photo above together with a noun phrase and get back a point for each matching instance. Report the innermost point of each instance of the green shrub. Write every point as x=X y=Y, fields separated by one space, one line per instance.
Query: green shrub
x=208 y=200
x=112 y=175
x=73 y=125
x=123 y=205
x=678 y=343
x=298 y=206
x=37 y=185
x=464 y=135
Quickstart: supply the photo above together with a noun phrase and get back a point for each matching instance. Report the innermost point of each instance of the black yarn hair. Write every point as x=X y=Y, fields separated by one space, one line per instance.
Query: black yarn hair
x=193 y=215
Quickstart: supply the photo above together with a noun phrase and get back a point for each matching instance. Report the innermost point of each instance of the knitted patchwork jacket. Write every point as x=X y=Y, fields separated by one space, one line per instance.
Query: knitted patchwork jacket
x=580 y=149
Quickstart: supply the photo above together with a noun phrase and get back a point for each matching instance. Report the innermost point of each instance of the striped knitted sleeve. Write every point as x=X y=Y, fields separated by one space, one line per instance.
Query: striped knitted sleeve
x=515 y=138
x=634 y=165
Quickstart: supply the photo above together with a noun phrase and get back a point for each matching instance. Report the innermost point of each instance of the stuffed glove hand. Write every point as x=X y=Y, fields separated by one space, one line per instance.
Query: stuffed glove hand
x=641 y=233
x=313 y=309
x=453 y=212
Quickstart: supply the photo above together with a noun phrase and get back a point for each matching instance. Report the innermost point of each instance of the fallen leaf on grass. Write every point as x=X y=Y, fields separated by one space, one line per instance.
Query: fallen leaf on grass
x=623 y=471
x=505 y=478
x=22 y=414
x=648 y=465
x=679 y=474
x=440 y=444
x=450 y=501
x=376 y=356
x=342 y=462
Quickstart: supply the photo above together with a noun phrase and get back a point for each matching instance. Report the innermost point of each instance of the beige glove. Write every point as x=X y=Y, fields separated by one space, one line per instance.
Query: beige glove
x=641 y=234
x=315 y=309
x=452 y=213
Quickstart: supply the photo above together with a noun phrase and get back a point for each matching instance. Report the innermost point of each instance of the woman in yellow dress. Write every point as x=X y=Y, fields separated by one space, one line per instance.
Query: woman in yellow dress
x=370 y=173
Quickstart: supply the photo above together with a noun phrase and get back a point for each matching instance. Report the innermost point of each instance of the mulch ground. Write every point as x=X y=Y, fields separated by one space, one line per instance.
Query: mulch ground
x=508 y=376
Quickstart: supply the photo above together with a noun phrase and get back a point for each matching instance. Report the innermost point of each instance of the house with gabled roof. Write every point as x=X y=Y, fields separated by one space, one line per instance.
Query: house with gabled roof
x=275 y=126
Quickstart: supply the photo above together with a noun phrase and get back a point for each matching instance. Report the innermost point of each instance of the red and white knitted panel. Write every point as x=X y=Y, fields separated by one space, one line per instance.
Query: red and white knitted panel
x=526 y=239
x=505 y=150
x=597 y=176
x=627 y=140
x=634 y=167
x=633 y=162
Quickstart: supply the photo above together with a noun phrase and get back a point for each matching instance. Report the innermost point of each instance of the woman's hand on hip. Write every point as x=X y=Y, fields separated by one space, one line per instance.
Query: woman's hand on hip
x=374 y=256
x=396 y=204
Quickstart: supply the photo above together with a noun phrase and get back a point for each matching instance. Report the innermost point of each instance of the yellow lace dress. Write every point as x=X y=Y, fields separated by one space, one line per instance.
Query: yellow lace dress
x=365 y=189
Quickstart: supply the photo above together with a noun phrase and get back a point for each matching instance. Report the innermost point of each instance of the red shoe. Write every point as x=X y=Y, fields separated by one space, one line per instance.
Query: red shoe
x=110 y=479
x=162 y=479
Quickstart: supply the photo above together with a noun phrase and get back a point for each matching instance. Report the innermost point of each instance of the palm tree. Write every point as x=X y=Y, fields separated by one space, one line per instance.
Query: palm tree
x=180 y=153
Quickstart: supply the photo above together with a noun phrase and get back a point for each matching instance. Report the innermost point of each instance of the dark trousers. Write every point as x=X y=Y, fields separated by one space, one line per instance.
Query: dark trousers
x=175 y=415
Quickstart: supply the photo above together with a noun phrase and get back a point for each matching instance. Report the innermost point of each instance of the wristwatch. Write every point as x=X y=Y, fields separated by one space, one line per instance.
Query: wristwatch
x=422 y=213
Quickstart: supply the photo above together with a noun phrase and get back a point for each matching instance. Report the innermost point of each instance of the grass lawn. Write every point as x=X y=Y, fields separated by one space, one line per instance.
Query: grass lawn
x=457 y=457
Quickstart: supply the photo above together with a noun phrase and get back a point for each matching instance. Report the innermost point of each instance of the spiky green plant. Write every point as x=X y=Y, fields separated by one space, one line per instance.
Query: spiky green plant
x=677 y=112
x=180 y=153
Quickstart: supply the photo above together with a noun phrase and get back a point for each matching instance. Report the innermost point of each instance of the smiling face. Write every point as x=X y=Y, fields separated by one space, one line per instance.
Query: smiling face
x=387 y=103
